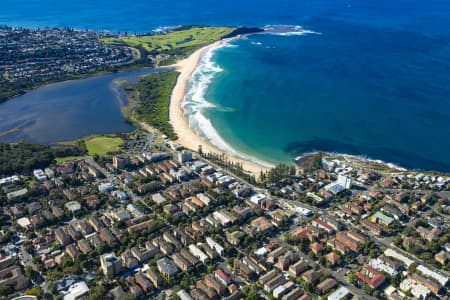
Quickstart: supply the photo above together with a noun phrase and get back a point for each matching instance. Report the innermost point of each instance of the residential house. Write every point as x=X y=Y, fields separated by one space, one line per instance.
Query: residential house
x=371 y=276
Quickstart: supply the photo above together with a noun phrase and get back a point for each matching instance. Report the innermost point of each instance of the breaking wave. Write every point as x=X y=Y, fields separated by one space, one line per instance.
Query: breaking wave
x=195 y=105
x=287 y=30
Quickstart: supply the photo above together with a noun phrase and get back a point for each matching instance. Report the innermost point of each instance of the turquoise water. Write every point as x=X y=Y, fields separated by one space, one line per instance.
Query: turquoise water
x=351 y=90
x=375 y=82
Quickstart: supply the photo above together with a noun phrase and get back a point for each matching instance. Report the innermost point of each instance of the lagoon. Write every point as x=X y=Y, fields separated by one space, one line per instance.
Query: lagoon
x=68 y=110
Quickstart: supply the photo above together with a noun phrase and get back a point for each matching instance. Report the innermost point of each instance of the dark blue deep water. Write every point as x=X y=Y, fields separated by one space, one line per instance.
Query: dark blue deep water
x=376 y=82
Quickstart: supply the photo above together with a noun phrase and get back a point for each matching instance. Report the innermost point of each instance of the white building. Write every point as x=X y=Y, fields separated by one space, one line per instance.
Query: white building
x=342 y=183
x=435 y=275
x=198 y=253
x=258 y=198
x=73 y=206
x=204 y=198
x=105 y=187
x=40 y=175
x=184 y=156
x=76 y=291
x=8 y=180
x=223 y=219
x=158 y=198
x=345 y=181
x=340 y=293
x=213 y=245
x=381 y=266
x=391 y=253
x=49 y=172
x=417 y=290
x=183 y=295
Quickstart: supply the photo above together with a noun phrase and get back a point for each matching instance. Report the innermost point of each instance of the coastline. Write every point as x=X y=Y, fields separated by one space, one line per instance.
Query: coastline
x=186 y=135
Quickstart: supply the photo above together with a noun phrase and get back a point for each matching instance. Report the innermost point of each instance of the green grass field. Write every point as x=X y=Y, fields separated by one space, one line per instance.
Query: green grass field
x=101 y=145
x=173 y=40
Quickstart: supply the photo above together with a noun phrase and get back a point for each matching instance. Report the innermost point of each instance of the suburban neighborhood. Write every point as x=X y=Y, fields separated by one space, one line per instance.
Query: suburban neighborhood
x=161 y=222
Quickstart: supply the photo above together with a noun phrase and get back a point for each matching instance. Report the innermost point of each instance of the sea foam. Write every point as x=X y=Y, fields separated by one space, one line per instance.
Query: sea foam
x=195 y=105
x=287 y=30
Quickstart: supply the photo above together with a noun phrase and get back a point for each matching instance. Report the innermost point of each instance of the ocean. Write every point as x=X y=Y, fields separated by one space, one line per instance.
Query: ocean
x=372 y=78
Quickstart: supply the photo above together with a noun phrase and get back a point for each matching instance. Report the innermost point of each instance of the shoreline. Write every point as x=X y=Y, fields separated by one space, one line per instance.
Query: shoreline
x=187 y=137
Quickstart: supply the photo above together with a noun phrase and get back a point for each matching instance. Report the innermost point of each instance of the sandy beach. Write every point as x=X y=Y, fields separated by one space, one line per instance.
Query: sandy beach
x=186 y=136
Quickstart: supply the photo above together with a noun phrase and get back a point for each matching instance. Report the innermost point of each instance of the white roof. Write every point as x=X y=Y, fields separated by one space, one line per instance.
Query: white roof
x=223 y=219
x=76 y=290
x=438 y=277
x=257 y=198
x=24 y=222
x=380 y=266
x=214 y=245
x=417 y=290
x=184 y=295
x=73 y=206
x=340 y=293
x=261 y=251
x=158 y=198
x=198 y=253
x=18 y=193
x=10 y=179
x=391 y=253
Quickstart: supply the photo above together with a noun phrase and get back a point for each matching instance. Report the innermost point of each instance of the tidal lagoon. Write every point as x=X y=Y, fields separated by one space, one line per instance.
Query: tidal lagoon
x=68 y=110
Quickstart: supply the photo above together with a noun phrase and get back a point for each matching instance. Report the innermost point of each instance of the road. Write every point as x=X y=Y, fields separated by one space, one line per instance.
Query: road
x=27 y=259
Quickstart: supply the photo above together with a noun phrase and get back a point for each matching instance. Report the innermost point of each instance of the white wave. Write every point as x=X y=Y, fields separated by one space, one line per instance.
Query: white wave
x=164 y=29
x=257 y=43
x=287 y=30
x=201 y=124
x=301 y=32
x=195 y=105
x=228 y=45
x=356 y=156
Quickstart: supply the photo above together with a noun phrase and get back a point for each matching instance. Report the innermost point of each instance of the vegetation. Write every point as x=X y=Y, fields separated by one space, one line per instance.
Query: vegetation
x=102 y=145
x=169 y=47
x=235 y=168
x=23 y=158
x=312 y=162
x=184 y=37
x=150 y=103
x=280 y=172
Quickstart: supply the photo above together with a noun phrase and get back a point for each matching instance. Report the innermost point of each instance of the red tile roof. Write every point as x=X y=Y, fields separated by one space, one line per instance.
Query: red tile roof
x=371 y=276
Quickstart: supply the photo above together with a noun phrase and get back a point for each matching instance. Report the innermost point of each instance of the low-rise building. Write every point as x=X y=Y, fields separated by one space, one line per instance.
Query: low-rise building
x=110 y=264
x=371 y=276
x=326 y=286
x=166 y=267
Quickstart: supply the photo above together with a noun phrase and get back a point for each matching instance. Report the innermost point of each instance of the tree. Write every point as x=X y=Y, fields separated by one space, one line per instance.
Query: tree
x=367 y=289
x=251 y=295
x=36 y=291
x=352 y=278
x=97 y=292
x=6 y=290
x=373 y=253
x=412 y=268
x=398 y=241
